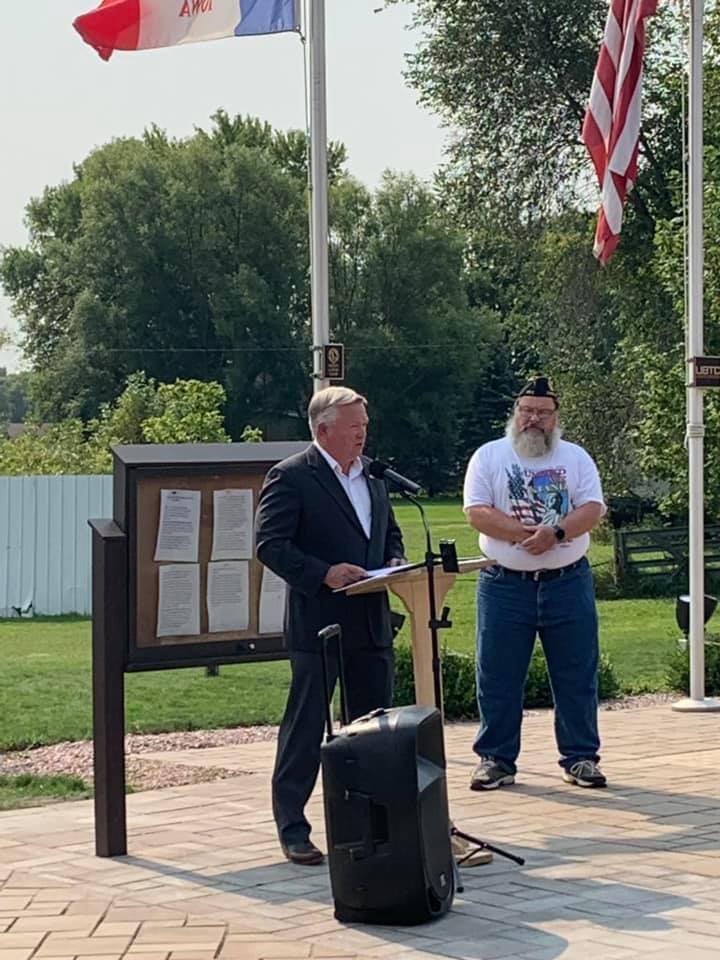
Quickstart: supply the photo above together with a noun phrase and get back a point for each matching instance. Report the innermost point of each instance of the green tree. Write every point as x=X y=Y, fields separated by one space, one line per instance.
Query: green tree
x=511 y=81
x=57 y=448
x=654 y=330
x=289 y=149
x=415 y=344
x=191 y=412
x=186 y=259
x=564 y=322
x=186 y=411
x=14 y=389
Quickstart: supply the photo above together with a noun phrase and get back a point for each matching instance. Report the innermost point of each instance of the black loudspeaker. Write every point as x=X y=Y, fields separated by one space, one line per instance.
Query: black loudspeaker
x=386 y=816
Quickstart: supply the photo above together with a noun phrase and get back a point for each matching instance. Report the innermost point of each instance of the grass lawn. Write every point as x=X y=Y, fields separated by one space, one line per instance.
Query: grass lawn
x=46 y=691
x=26 y=789
x=45 y=688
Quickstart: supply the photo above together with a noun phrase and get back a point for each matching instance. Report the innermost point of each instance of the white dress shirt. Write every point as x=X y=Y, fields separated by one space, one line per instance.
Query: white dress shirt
x=355 y=486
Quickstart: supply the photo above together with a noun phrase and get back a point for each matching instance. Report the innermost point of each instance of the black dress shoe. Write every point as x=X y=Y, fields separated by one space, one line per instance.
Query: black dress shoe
x=303 y=852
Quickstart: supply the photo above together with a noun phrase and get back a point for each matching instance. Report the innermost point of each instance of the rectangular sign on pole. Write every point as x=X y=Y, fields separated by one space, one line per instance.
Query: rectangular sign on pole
x=705 y=372
x=333 y=361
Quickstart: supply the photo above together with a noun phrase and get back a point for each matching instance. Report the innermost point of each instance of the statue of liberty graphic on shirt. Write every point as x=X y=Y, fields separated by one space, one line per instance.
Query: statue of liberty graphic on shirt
x=538 y=496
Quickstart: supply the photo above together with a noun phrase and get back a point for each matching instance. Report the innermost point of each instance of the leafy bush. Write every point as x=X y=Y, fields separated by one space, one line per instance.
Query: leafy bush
x=186 y=411
x=678 y=674
x=459 y=682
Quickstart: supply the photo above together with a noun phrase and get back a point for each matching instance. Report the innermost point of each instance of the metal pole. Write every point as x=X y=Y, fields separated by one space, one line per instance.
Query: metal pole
x=695 y=425
x=318 y=191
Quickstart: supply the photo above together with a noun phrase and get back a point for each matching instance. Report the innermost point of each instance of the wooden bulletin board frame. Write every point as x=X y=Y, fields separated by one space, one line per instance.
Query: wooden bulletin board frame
x=140 y=473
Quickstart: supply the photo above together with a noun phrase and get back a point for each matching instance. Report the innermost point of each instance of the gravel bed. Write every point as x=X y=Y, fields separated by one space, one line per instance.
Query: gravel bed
x=641 y=700
x=76 y=758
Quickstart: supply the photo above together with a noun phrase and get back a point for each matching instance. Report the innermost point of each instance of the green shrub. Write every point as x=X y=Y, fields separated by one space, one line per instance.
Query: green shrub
x=459 y=682
x=678 y=674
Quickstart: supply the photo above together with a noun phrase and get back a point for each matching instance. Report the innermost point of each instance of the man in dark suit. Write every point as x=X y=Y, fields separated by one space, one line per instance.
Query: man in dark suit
x=322 y=522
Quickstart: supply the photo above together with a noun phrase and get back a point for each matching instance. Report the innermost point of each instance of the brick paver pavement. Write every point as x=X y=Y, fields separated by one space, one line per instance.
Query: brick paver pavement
x=632 y=871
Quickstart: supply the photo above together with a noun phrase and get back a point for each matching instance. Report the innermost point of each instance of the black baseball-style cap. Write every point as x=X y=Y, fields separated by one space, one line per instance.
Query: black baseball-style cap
x=539 y=387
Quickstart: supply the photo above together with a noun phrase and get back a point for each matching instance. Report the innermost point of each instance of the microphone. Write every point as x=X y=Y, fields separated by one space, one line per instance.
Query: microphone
x=381 y=471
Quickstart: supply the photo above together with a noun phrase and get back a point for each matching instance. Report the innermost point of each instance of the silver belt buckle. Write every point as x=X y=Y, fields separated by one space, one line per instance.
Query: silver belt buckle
x=536 y=575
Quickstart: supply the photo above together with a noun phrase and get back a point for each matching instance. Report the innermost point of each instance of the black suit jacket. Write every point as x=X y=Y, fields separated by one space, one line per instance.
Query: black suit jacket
x=306 y=523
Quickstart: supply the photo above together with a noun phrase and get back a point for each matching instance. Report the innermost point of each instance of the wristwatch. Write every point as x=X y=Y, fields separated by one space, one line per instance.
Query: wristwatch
x=559 y=533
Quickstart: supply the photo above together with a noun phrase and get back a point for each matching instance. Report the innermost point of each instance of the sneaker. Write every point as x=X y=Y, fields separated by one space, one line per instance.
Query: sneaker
x=585 y=773
x=488 y=775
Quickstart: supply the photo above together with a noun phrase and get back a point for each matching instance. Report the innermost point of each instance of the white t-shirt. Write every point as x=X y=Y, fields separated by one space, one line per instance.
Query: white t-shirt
x=533 y=490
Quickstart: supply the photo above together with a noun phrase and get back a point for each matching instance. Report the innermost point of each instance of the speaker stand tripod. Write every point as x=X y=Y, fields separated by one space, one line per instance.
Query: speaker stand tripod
x=448 y=558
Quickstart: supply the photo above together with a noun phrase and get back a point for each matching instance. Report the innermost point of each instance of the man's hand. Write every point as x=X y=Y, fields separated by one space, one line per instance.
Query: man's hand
x=343 y=574
x=542 y=538
x=396 y=562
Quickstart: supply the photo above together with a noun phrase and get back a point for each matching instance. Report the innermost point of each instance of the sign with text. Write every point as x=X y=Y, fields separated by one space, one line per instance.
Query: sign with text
x=705 y=372
x=333 y=361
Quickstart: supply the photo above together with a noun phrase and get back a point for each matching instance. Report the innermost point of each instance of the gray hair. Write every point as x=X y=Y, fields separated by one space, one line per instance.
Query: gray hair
x=324 y=404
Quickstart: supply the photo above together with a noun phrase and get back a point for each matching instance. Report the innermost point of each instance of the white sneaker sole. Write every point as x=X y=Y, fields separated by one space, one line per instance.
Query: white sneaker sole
x=588 y=784
x=503 y=781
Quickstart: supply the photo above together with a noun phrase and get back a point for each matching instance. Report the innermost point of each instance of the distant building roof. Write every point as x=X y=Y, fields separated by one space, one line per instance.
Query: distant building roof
x=13 y=430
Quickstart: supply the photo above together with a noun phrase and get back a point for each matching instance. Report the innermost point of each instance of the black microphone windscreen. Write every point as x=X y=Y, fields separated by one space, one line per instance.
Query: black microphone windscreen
x=377 y=469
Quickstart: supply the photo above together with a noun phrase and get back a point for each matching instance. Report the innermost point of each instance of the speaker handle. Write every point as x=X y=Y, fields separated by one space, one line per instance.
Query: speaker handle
x=344 y=713
x=324 y=635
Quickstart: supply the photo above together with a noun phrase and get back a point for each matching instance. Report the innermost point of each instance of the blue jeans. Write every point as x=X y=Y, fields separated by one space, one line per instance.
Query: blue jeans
x=511 y=611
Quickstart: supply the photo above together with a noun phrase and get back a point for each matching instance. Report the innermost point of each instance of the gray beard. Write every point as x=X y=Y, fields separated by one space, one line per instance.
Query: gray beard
x=532 y=444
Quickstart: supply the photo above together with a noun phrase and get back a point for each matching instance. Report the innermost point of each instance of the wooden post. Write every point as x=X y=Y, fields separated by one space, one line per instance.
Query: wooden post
x=109 y=646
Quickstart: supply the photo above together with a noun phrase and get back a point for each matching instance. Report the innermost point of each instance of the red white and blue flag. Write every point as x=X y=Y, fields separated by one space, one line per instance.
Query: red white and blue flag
x=611 y=131
x=147 y=24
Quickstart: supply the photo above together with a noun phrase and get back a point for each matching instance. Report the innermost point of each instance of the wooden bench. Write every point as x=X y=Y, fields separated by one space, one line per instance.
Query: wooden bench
x=661 y=553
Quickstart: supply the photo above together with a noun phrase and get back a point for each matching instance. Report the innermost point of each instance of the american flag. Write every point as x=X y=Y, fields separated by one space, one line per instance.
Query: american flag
x=612 y=123
x=524 y=507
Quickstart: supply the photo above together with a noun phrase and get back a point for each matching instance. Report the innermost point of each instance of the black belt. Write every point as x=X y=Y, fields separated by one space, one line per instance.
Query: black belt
x=541 y=574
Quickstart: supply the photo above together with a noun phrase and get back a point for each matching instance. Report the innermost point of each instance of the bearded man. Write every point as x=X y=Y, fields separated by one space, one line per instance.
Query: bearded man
x=534 y=498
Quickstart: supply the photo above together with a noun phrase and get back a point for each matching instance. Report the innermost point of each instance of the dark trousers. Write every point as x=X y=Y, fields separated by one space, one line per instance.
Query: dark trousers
x=369 y=679
x=511 y=612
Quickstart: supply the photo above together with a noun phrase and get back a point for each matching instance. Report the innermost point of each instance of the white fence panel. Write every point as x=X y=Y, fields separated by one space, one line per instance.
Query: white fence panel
x=45 y=542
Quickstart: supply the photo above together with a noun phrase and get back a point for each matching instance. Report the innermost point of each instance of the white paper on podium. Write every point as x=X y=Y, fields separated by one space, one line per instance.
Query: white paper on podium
x=384 y=571
x=272 y=603
x=179 y=600
x=380 y=572
x=228 y=591
x=232 y=525
x=179 y=528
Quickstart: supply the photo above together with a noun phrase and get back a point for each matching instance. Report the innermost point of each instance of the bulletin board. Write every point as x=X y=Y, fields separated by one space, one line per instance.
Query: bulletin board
x=147 y=569
x=141 y=478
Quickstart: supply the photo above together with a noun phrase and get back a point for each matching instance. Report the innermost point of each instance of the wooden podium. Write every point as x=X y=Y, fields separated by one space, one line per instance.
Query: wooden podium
x=411 y=585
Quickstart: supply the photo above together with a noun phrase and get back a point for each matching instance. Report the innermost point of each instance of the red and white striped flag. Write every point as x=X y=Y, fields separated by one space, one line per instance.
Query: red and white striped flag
x=611 y=130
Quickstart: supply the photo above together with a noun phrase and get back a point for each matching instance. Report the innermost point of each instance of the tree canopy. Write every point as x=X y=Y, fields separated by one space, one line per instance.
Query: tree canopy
x=511 y=82
x=188 y=259
x=185 y=411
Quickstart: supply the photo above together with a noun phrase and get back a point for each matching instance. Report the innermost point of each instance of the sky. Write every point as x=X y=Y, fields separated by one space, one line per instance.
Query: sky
x=61 y=100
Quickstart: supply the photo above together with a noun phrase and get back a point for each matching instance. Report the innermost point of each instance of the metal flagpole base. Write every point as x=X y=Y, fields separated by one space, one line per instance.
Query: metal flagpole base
x=688 y=705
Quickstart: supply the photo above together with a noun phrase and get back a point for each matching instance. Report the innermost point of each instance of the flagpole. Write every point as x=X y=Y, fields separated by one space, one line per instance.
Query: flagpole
x=697 y=700
x=320 y=299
